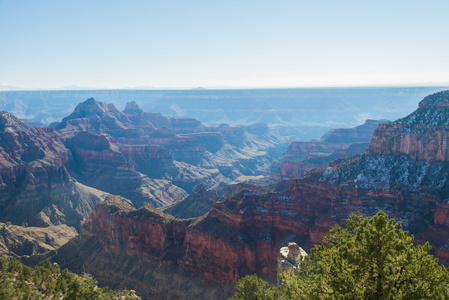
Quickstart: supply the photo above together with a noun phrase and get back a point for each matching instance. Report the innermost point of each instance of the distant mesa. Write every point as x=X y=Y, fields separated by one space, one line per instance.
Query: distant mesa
x=33 y=123
x=362 y=133
x=132 y=107
x=301 y=157
x=91 y=106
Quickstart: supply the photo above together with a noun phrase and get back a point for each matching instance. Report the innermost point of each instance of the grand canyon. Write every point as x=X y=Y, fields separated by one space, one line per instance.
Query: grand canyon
x=174 y=208
x=224 y=150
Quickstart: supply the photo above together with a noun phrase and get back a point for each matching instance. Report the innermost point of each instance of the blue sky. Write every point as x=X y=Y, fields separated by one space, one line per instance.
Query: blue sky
x=117 y=44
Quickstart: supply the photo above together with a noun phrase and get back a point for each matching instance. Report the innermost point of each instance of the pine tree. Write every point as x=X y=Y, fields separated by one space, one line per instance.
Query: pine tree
x=18 y=281
x=371 y=258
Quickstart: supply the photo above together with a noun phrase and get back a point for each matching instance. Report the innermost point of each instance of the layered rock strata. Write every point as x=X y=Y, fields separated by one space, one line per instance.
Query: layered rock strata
x=35 y=186
x=301 y=157
x=138 y=155
x=18 y=241
x=242 y=234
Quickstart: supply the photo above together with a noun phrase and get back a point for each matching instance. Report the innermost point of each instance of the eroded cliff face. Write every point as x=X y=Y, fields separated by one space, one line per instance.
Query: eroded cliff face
x=149 y=158
x=301 y=157
x=35 y=187
x=297 y=169
x=140 y=173
x=237 y=237
x=335 y=140
x=423 y=135
x=404 y=172
x=153 y=245
x=243 y=234
x=233 y=240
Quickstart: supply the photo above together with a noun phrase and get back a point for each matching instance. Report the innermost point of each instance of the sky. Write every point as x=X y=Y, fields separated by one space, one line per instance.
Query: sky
x=186 y=44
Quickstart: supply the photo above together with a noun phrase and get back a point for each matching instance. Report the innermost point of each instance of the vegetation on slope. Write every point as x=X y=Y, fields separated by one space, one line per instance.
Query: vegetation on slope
x=18 y=281
x=372 y=258
x=16 y=241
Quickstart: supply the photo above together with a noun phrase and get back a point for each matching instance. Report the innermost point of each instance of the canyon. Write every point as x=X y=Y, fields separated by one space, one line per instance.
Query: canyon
x=149 y=158
x=51 y=178
x=404 y=172
x=36 y=188
x=301 y=157
x=305 y=113
x=56 y=175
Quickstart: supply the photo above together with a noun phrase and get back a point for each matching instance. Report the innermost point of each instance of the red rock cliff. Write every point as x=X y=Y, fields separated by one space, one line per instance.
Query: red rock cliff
x=243 y=234
x=35 y=187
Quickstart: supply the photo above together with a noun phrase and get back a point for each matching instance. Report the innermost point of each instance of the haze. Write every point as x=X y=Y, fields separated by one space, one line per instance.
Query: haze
x=183 y=44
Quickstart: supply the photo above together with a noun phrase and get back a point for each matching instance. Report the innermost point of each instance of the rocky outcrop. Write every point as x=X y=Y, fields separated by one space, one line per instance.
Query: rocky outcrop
x=98 y=117
x=358 y=134
x=423 y=135
x=147 y=247
x=297 y=169
x=35 y=187
x=142 y=156
x=301 y=157
x=242 y=234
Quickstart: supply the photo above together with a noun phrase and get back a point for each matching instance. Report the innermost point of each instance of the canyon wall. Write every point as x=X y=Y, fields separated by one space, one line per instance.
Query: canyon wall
x=243 y=234
x=35 y=186
x=301 y=157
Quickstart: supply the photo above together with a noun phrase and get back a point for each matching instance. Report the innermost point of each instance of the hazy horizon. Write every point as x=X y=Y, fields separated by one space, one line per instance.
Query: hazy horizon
x=52 y=44
x=8 y=88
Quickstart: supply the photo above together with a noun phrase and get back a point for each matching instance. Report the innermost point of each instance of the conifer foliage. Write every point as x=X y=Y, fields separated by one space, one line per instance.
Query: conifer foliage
x=370 y=258
x=18 y=281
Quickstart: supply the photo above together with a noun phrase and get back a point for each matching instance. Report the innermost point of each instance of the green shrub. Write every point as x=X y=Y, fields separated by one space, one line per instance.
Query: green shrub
x=371 y=258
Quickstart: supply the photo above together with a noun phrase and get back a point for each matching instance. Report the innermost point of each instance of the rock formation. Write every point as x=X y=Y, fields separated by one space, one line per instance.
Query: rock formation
x=18 y=241
x=198 y=203
x=289 y=259
x=45 y=173
x=148 y=248
x=301 y=157
x=35 y=186
x=149 y=158
x=297 y=169
x=242 y=234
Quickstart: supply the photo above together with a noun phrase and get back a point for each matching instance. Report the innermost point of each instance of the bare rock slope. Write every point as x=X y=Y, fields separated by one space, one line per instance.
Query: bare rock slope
x=243 y=234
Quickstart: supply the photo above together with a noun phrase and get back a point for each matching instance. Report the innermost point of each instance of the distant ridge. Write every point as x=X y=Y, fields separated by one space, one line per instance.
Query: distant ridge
x=303 y=113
